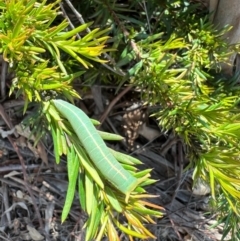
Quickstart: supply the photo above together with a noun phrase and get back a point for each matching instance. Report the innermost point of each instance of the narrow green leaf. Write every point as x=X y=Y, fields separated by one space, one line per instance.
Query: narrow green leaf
x=89 y=193
x=63 y=142
x=113 y=199
x=147 y=211
x=95 y=122
x=92 y=218
x=59 y=141
x=104 y=219
x=71 y=155
x=55 y=143
x=18 y=26
x=139 y=189
x=73 y=170
x=56 y=29
x=39 y=9
x=129 y=231
x=95 y=34
x=88 y=166
x=81 y=190
x=48 y=117
x=99 y=214
x=142 y=173
x=148 y=182
x=134 y=70
x=26 y=102
x=228 y=178
x=32 y=49
x=72 y=32
x=129 y=168
x=75 y=56
x=90 y=35
x=123 y=158
x=29 y=6
x=129 y=57
x=211 y=176
x=229 y=189
x=52 y=111
x=109 y=136
x=112 y=232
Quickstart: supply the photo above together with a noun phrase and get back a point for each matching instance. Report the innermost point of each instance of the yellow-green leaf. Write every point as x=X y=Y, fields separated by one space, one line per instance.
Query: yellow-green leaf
x=89 y=193
x=113 y=200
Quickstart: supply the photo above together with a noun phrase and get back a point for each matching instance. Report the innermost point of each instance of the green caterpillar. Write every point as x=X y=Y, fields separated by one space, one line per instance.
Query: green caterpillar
x=97 y=150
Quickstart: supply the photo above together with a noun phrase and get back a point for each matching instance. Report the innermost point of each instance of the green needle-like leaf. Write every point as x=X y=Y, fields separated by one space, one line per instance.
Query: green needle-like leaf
x=89 y=187
x=81 y=191
x=109 y=136
x=73 y=170
x=113 y=200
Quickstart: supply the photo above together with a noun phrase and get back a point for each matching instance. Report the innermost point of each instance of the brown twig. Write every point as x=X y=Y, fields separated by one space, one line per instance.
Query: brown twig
x=3 y=78
x=7 y=119
x=9 y=124
x=111 y=105
x=168 y=144
x=175 y=229
x=26 y=181
x=180 y=163
x=6 y=201
x=4 y=144
x=17 y=167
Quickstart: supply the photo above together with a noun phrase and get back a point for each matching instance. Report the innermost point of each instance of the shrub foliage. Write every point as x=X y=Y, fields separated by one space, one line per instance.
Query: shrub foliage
x=169 y=50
